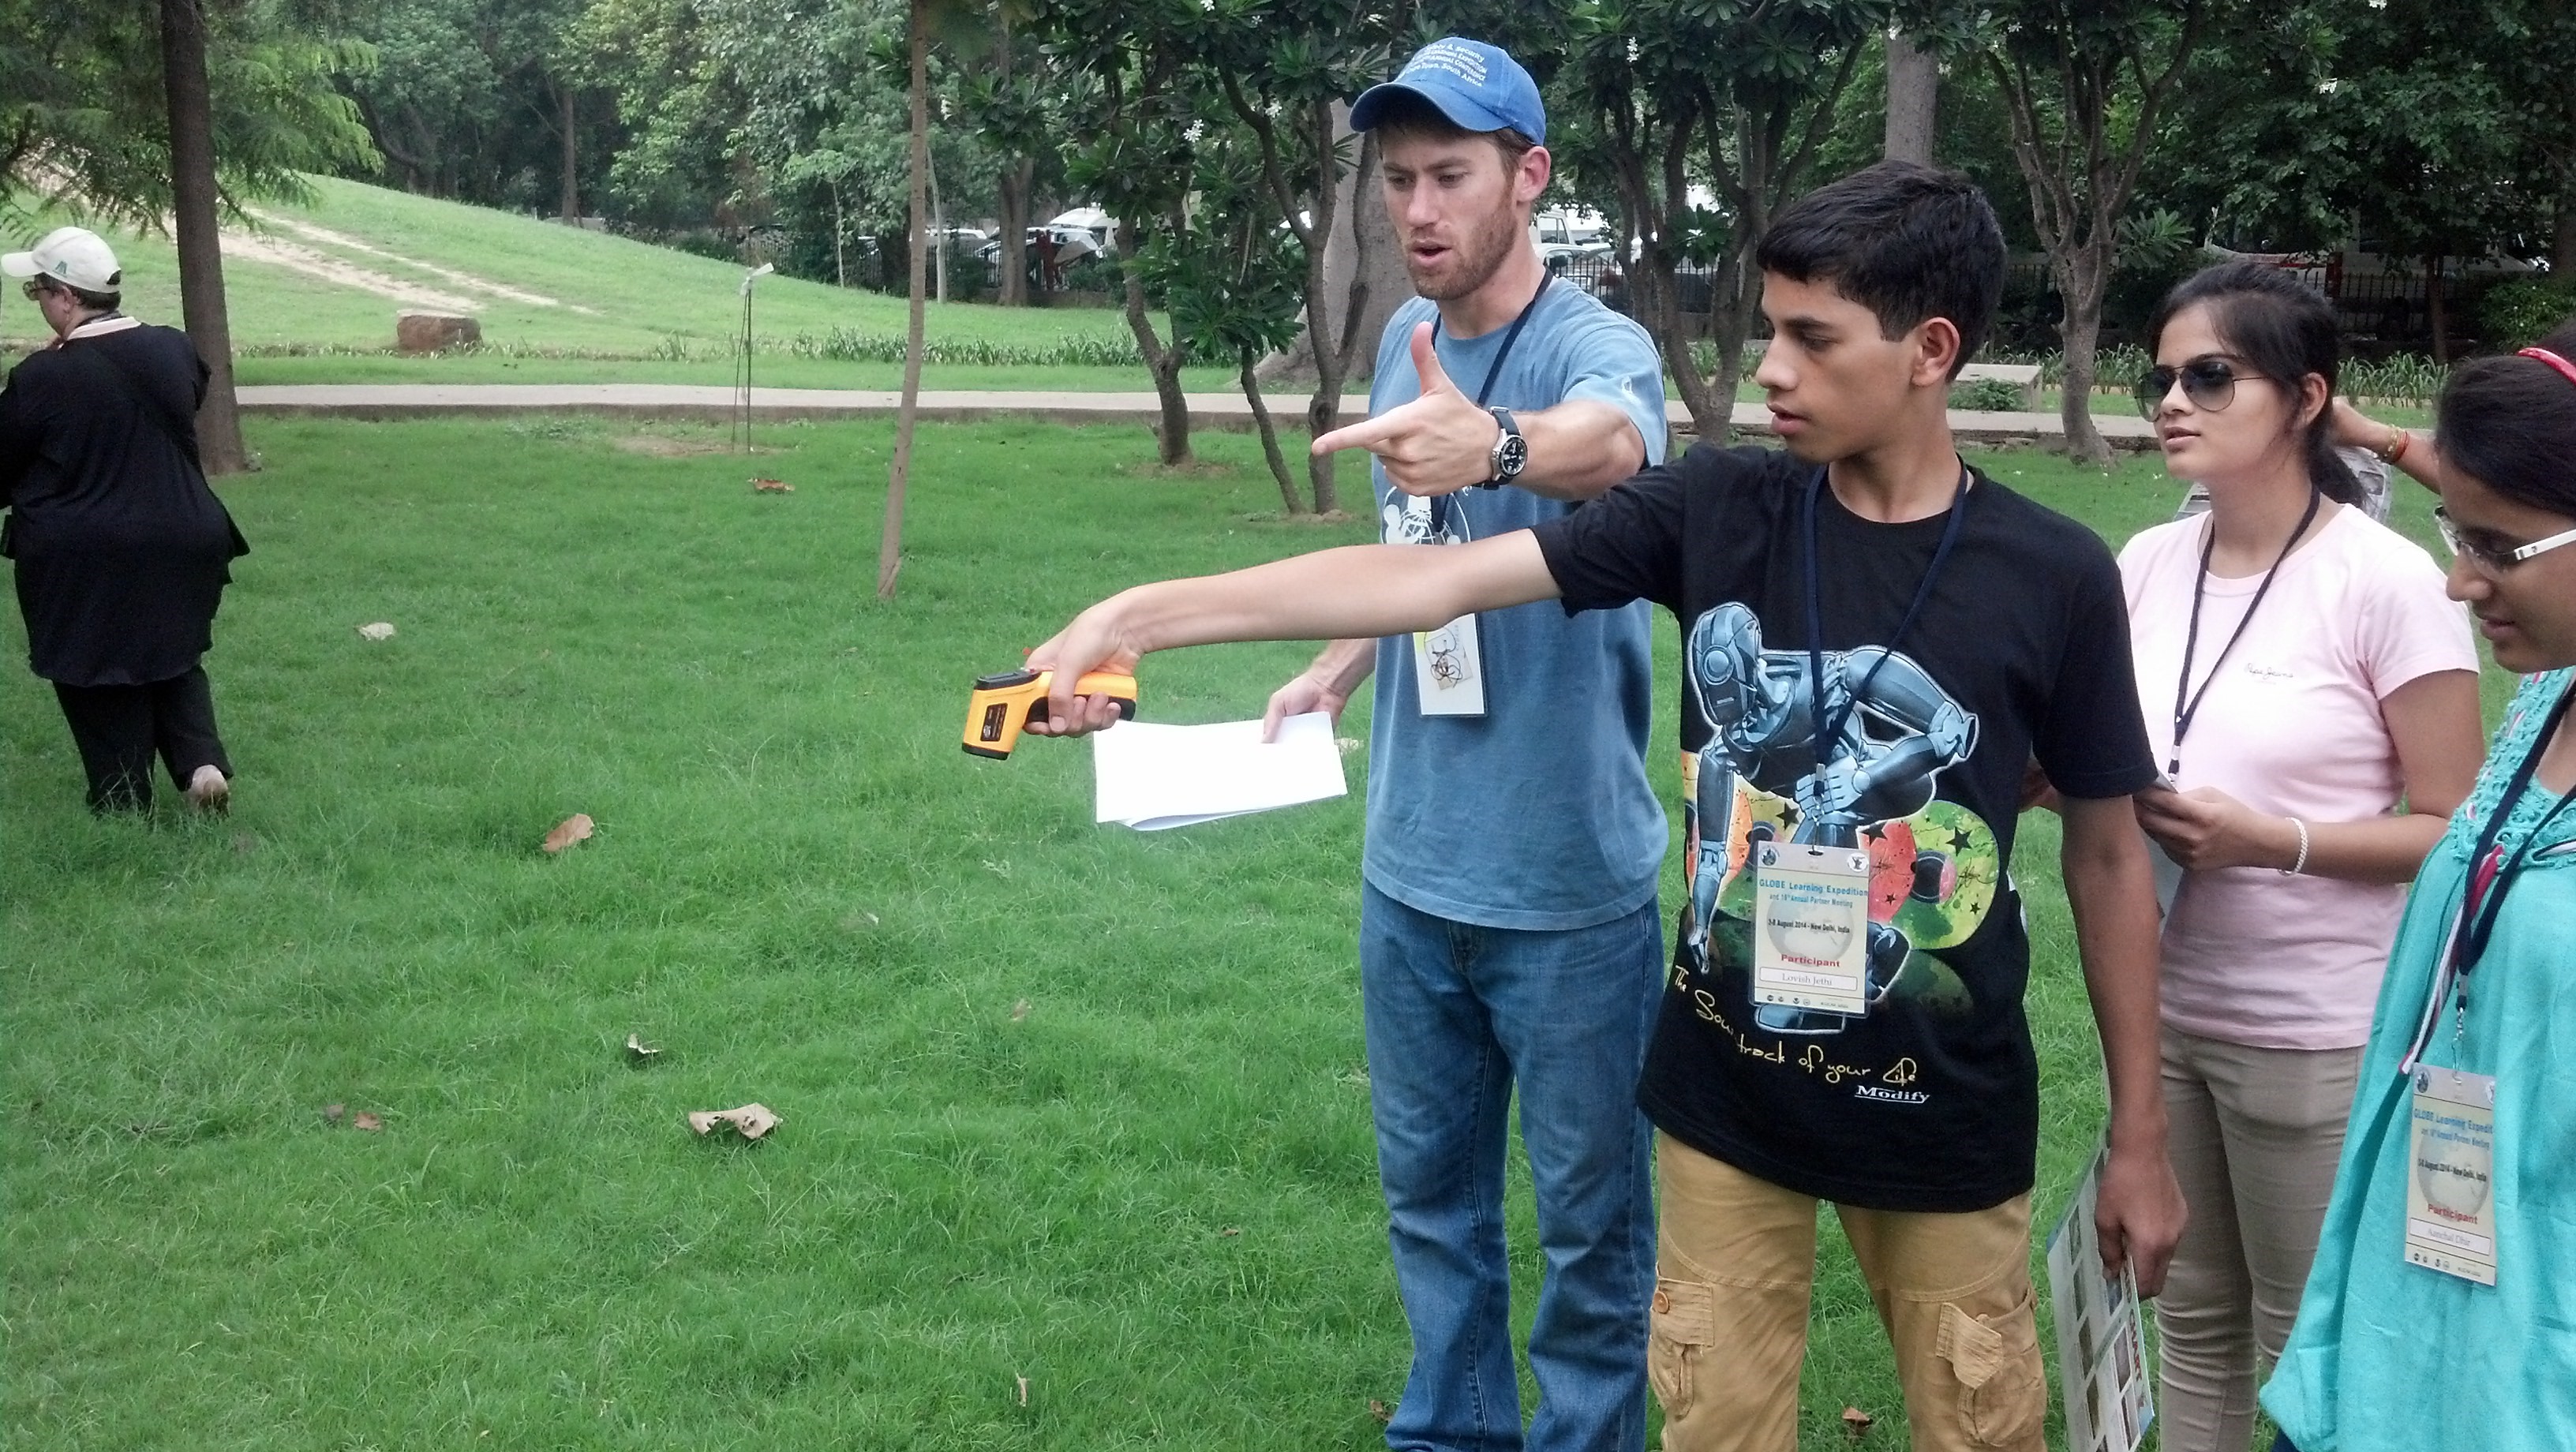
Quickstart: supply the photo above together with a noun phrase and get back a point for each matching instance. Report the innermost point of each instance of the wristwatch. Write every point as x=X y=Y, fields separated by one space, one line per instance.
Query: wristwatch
x=1511 y=452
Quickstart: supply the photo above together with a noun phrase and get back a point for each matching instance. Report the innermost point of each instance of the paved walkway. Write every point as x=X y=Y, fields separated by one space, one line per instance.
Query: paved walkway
x=1213 y=410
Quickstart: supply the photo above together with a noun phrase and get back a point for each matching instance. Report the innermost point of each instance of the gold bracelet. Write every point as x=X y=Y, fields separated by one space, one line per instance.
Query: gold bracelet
x=2398 y=439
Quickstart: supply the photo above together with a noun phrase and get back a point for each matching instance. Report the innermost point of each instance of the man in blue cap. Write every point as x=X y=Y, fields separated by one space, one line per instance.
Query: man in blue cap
x=1508 y=929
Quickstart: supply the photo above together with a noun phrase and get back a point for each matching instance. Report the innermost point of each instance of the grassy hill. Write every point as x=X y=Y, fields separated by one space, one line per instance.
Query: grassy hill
x=314 y=288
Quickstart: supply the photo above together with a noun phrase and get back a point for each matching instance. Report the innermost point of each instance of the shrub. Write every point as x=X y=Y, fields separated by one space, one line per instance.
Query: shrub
x=1985 y=395
x=2519 y=313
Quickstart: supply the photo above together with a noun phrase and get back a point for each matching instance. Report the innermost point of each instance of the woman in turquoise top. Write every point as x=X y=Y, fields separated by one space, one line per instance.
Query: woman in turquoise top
x=2389 y=1352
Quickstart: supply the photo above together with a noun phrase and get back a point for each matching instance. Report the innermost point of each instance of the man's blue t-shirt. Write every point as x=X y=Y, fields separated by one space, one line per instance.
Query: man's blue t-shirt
x=1536 y=815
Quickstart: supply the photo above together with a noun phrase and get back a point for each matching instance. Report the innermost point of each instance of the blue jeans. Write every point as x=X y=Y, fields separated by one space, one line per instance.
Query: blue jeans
x=1456 y=1015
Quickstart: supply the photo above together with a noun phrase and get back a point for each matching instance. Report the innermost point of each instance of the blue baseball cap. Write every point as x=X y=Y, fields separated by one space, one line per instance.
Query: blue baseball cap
x=1475 y=85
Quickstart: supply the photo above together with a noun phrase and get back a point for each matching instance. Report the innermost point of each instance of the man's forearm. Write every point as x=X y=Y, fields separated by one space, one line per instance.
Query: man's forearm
x=1578 y=449
x=1343 y=664
x=1359 y=591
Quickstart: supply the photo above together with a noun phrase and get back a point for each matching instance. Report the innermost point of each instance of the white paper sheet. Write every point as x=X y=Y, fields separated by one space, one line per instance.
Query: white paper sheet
x=2101 y=1334
x=1152 y=777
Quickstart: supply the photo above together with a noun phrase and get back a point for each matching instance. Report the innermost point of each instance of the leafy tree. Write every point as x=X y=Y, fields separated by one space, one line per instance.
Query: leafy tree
x=1018 y=101
x=1285 y=67
x=481 y=100
x=2438 y=152
x=1148 y=93
x=84 y=114
x=184 y=112
x=1738 y=94
x=1234 y=279
x=2085 y=84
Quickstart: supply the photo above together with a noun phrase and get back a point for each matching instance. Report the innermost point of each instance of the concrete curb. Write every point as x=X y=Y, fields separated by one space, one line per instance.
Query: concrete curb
x=1207 y=410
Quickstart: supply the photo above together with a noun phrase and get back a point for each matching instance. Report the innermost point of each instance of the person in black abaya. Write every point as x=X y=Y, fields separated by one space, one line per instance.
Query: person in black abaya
x=122 y=552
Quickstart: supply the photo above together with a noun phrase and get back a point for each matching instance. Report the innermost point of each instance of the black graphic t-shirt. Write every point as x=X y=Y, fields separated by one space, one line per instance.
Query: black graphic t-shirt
x=1930 y=1101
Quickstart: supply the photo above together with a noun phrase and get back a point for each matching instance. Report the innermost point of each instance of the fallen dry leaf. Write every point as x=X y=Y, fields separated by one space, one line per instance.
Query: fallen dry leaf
x=575 y=828
x=377 y=630
x=1024 y=1391
x=1381 y=1411
x=640 y=1051
x=751 y=1120
x=1019 y=1010
x=772 y=486
x=1231 y=1231
x=1857 y=1422
x=368 y=1122
x=334 y=1113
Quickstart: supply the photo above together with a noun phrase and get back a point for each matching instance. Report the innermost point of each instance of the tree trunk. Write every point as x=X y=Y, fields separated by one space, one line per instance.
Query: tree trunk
x=1013 y=288
x=1269 y=438
x=899 y=474
x=2562 y=252
x=1164 y=364
x=938 y=230
x=569 y=195
x=1913 y=99
x=201 y=257
x=1363 y=264
x=840 y=256
x=1334 y=340
x=2436 y=316
x=1734 y=301
x=2081 y=279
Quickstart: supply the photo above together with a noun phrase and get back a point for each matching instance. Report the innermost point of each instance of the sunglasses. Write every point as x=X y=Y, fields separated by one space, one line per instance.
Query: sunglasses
x=2210 y=384
x=2494 y=562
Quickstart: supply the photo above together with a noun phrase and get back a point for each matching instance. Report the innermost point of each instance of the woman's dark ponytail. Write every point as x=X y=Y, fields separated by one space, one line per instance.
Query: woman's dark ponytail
x=2284 y=329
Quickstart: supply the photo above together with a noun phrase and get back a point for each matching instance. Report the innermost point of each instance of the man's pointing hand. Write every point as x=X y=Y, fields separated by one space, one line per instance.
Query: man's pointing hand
x=1439 y=443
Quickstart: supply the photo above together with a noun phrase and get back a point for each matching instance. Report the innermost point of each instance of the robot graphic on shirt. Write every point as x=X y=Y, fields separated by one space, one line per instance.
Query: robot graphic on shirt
x=1897 y=737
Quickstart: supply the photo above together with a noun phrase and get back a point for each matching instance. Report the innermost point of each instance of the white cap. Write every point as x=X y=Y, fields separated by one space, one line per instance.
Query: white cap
x=67 y=254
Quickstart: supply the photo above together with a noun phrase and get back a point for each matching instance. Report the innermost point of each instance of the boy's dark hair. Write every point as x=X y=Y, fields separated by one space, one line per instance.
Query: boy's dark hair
x=1405 y=115
x=2509 y=422
x=2285 y=330
x=1906 y=242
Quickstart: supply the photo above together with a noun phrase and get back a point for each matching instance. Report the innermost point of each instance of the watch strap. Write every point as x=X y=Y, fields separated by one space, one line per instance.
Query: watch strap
x=1498 y=475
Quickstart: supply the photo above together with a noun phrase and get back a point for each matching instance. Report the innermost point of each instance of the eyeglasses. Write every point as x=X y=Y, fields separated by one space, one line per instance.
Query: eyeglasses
x=2210 y=384
x=2494 y=562
x=32 y=289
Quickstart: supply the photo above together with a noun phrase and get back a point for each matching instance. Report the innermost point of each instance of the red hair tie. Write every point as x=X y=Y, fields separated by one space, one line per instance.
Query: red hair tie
x=2565 y=368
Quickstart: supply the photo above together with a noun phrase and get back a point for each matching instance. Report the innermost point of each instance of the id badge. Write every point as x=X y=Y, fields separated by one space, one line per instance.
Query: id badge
x=1448 y=670
x=2450 y=1191
x=1811 y=920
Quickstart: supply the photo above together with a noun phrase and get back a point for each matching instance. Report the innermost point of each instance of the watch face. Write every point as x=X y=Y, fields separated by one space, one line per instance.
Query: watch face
x=1513 y=453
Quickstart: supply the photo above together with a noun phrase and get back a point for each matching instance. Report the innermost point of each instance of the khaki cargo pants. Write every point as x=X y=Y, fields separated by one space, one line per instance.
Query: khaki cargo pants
x=1735 y=1260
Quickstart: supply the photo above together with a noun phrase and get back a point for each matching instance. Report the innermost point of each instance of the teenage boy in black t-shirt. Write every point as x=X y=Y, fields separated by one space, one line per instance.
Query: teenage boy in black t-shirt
x=1844 y=1017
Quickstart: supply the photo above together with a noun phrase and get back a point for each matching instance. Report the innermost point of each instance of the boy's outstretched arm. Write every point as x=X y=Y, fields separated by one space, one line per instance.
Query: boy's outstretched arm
x=1361 y=590
x=2112 y=891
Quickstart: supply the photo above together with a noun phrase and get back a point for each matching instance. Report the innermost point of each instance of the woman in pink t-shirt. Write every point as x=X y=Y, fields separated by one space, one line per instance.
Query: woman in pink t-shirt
x=2303 y=676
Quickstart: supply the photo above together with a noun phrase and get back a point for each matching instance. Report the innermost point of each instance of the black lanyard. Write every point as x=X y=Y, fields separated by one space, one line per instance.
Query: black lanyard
x=2491 y=877
x=1440 y=502
x=1830 y=730
x=1509 y=338
x=2186 y=700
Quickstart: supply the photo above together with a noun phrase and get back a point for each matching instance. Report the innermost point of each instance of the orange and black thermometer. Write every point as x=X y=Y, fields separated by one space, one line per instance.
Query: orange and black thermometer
x=1005 y=703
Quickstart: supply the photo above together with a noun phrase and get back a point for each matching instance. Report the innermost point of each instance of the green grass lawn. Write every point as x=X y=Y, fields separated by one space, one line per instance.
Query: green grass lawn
x=610 y=295
x=1150 y=1192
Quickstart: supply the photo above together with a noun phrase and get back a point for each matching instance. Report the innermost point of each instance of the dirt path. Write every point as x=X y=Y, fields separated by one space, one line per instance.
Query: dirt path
x=314 y=262
x=466 y=280
x=297 y=257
